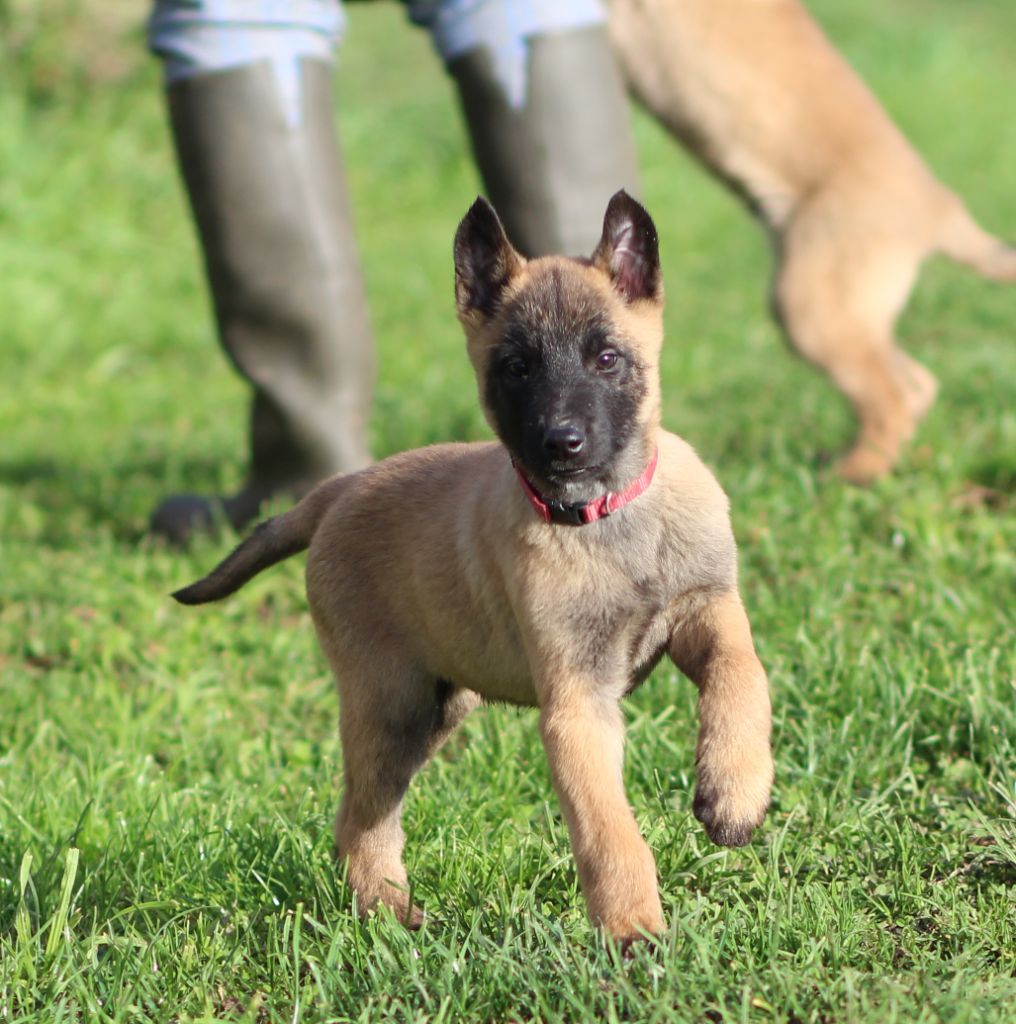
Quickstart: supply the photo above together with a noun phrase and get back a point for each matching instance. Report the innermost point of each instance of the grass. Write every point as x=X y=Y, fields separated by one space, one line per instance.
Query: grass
x=168 y=778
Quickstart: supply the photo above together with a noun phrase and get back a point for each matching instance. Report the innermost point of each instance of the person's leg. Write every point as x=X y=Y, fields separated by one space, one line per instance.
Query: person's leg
x=249 y=91
x=546 y=111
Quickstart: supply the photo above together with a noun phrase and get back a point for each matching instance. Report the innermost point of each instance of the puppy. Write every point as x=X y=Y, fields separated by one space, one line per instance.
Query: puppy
x=754 y=89
x=553 y=568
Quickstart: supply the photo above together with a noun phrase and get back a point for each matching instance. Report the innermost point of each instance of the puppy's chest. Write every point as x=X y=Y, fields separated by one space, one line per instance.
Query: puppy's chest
x=600 y=620
x=611 y=638
x=618 y=632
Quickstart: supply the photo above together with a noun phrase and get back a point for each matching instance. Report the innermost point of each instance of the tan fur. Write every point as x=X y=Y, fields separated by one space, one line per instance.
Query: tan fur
x=756 y=91
x=433 y=585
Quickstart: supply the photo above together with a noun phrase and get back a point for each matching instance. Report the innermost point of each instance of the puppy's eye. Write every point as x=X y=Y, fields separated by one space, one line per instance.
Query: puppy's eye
x=607 y=360
x=516 y=367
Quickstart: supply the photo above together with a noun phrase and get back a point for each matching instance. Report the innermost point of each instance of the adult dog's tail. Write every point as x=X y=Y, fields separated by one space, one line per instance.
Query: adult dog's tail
x=965 y=241
x=272 y=541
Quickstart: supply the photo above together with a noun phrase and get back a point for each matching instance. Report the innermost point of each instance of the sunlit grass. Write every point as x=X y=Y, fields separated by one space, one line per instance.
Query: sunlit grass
x=168 y=777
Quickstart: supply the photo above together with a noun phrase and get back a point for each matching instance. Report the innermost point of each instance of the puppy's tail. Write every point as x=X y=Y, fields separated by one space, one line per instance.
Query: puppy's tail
x=272 y=541
x=965 y=241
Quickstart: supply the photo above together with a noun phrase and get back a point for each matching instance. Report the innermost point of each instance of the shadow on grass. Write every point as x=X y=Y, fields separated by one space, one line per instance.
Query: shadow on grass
x=78 y=499
x=997 y=472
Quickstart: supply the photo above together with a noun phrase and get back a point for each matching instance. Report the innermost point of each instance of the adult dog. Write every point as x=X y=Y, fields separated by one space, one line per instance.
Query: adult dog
x=755 y=90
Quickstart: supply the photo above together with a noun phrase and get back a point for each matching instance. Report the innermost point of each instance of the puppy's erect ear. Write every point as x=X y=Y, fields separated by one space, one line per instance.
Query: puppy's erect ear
x=484 y=260
x=628 y=251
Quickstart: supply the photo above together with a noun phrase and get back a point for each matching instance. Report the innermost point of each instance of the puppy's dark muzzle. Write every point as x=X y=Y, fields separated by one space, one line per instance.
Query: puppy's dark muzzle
x=564 y=442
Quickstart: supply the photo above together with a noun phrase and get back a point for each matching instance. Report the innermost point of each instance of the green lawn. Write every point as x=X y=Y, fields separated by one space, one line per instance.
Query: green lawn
x=168 y=776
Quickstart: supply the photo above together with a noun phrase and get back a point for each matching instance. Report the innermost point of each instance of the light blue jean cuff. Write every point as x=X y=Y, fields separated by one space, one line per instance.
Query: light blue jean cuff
x=197 y=37
x=503 y=28
x=200 y=37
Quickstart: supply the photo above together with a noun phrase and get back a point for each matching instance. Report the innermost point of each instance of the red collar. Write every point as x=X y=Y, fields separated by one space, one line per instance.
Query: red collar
x=552 y=511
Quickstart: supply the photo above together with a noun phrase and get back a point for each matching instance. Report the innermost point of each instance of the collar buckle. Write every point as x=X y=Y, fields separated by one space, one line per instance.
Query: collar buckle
x=562 y=513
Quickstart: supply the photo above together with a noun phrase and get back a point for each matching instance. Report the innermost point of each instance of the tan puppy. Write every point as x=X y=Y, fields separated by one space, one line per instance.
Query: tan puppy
x=756 y=91
x=553 y=569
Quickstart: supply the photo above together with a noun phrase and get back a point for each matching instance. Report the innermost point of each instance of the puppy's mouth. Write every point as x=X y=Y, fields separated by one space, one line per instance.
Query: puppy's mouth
x=566 y=483
x=570 y=472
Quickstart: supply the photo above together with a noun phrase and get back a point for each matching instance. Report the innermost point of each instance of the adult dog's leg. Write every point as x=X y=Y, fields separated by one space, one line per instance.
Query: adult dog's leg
x=714 y=648
x=838 y=290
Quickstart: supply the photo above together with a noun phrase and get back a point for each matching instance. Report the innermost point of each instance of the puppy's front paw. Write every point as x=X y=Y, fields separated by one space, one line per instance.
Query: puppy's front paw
x=635 y=925
x=407 y=914
x=373 y=893
x=410 y=915
x=621 y=890
x=732 y=804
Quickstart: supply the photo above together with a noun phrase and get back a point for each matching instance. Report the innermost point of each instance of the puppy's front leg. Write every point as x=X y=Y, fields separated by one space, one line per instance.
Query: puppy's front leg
x=714 y=648
x=583 y=735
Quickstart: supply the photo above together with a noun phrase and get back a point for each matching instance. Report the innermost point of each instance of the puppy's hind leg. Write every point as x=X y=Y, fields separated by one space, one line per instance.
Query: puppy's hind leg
x=837 y=294
x=712 y=645
x=392 y=718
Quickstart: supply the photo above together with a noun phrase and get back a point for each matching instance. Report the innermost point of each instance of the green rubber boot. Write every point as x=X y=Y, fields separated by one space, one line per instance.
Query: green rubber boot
x=551 y=165
x=269 y=199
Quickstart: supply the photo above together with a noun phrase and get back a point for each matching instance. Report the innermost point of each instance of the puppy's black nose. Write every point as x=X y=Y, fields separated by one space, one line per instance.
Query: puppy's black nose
x=564 y=441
